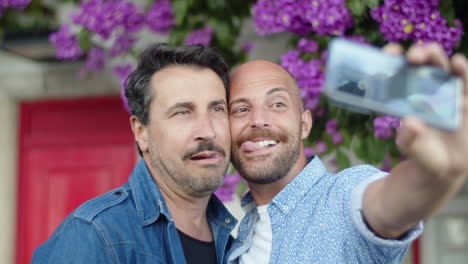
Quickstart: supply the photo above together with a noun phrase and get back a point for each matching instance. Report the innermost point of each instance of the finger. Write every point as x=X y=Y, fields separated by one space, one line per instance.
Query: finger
x=410 y=129
x=431 y=53
x=460 y=68
x=393 y=49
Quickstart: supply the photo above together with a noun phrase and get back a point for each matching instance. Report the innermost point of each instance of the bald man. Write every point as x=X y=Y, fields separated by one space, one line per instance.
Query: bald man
x=297 y=212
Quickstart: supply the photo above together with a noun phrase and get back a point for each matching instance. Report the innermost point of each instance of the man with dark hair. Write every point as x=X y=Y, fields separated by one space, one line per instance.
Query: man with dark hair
x=166 y=212
x=298 y=212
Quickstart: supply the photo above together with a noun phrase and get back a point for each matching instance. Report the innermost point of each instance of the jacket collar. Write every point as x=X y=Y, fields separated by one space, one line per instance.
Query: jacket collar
x=150 y=203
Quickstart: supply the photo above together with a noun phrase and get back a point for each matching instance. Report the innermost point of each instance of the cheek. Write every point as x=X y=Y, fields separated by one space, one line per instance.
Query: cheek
x=223 y=131
x=170 y=138
x=236 y=129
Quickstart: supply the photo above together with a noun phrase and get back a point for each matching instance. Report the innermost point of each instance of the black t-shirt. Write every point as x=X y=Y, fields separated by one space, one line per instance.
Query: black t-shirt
x=197 y=251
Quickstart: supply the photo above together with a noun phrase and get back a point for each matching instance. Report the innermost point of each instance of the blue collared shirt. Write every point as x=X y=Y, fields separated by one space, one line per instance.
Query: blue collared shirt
x=131 y=224
x=317 y=218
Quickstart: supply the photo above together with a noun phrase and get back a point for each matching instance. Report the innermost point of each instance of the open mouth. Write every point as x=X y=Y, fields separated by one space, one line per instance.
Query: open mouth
x=257 y=145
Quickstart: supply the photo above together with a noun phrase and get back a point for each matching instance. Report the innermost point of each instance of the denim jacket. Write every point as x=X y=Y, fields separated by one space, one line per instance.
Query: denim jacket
x=130 y=224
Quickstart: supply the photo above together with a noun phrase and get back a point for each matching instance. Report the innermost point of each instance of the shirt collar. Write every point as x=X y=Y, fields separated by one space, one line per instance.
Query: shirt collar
x=150 y=203
x=287 y=199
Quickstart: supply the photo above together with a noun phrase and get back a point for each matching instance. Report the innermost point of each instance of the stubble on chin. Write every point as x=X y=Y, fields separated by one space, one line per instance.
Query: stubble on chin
x=265 y=170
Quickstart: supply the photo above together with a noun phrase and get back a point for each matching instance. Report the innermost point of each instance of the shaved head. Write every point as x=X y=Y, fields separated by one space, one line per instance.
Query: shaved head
x=259 y=69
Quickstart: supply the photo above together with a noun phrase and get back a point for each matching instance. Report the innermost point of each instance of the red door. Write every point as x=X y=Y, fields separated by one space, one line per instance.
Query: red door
x=70 y=151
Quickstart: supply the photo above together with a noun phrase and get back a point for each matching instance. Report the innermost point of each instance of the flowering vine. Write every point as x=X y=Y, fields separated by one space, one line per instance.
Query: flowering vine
x=108 y=32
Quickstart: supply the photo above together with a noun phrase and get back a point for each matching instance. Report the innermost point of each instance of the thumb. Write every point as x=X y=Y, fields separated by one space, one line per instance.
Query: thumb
x=411 y=128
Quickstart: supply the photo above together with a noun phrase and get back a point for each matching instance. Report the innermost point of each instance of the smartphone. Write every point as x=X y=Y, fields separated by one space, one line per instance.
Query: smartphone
x=364 y=79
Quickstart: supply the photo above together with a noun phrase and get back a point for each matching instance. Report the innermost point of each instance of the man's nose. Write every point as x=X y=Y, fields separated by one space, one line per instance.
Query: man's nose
x=205 y=130
x=260 y=118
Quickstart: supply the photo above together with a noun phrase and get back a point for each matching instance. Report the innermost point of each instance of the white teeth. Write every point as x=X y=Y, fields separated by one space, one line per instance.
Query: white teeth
x=265 y=143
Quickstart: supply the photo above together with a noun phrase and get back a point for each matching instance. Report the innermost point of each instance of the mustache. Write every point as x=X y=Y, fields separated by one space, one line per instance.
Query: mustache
x=204 y=146
x=262 y=133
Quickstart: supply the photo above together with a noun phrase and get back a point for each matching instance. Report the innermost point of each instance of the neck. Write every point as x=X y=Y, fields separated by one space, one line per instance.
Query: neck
x=188 y=212
x=264 y=193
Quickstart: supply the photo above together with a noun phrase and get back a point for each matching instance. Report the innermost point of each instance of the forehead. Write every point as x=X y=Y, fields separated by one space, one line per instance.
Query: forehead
x=254 y=82
x=186 y=83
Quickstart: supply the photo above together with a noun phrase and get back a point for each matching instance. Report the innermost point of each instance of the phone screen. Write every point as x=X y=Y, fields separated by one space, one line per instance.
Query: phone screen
x=366 y=80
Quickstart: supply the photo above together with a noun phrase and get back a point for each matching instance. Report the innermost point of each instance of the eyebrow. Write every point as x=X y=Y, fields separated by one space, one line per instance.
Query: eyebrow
x=217 y=102
x=272 y=91
x=191 y=105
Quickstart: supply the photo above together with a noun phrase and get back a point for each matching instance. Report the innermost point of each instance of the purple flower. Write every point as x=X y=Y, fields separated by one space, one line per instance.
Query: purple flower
x=328 y=17
x=337 y=138
x=248 y=46
x=386 y=164
x=104 y=17
x=319 y=112
x=384 y=126
x=320 y=147
x=309 y=152
x=201 y=36
x=331 y=126
x=95 y=61
x=419 y=21
x=122 y=44
x=19 y=4
x=265 y=17
x=301 y=17
x=134 y=21
x=309 y=76
x=66 y=46
x=292 y=17
x=160 y=17
x=307 y=45
x=122 y=72
x=226 y=191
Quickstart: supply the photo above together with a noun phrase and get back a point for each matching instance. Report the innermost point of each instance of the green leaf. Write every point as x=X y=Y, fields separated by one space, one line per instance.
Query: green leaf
x=357 y=7
x=177 y=36
x=241 y=188
x=223 y=32
x=180 y=10
x=342 y=160
x=372 y=3
x=376 y=149
x=84 y=39
x=216 y=5
x=360 y=149
x=446 y=10
x=347 y=138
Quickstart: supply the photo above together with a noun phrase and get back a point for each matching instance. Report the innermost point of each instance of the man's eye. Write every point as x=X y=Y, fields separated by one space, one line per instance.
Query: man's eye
x=182 y=112
x=278 y=105
x=218 y=109
x=240 y=110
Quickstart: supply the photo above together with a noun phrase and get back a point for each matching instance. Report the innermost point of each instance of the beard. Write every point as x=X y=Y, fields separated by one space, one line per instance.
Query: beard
x=266 y=169
x=194 y=183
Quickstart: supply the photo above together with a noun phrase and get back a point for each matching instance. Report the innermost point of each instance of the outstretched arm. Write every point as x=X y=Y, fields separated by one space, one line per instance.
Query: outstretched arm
x=437 y=164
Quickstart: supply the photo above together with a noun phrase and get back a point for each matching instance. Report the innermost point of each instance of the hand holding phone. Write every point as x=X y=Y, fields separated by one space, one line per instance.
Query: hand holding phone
x=364 y=79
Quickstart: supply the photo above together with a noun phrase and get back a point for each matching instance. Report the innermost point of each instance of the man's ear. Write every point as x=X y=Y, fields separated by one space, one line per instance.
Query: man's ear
x=140 y=132
x=306 y=120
